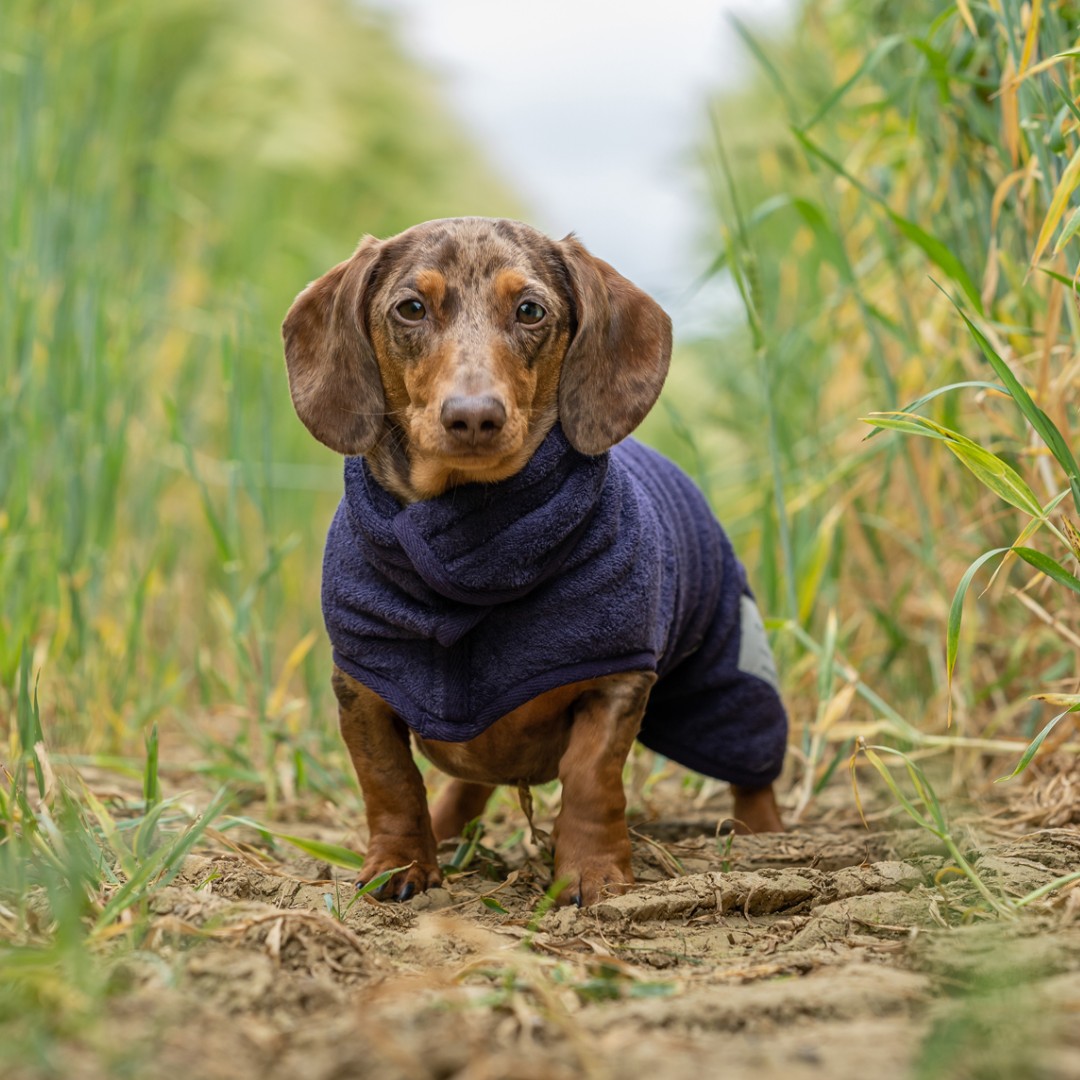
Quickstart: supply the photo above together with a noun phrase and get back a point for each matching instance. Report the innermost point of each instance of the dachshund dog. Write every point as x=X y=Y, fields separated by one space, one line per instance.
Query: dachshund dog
x=509 y=579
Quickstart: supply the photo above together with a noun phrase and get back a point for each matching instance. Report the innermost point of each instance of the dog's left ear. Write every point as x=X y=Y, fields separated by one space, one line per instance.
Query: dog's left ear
x=618 y=358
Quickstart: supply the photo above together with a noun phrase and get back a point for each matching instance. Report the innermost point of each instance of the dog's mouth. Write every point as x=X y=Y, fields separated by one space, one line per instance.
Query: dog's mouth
x=433 y=472
x=481 y=459
x=466 y=440
x=465 y=454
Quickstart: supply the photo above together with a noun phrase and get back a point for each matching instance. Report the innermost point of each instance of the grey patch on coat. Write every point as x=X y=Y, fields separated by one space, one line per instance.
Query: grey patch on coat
x=755 y=656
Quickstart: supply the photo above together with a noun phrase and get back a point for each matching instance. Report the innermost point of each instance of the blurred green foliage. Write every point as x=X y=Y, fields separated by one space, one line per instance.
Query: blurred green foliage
x=175 y=173
x=887 y=163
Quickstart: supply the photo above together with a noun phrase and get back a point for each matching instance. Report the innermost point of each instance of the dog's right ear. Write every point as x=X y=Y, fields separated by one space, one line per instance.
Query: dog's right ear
x=333 y=374
x=617 y=360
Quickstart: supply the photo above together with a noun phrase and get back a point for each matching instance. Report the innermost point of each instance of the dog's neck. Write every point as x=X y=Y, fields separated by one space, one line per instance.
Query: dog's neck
x=389 y=463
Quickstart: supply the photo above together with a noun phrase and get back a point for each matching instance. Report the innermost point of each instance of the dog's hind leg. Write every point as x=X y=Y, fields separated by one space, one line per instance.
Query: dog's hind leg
x=756 y=810
x=459 y=802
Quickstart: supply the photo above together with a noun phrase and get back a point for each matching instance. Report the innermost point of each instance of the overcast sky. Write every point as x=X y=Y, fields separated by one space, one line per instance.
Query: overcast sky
x=592 y=111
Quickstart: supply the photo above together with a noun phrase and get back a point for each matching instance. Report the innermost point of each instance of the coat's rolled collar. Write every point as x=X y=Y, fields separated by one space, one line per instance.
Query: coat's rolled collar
x=480 y=544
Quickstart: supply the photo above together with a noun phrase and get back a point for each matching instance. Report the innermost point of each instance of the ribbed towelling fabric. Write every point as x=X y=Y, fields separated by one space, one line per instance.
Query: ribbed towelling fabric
x=458 y=609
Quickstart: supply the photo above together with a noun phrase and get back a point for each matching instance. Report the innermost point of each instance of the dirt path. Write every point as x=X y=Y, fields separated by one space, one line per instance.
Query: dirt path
x=827 y=952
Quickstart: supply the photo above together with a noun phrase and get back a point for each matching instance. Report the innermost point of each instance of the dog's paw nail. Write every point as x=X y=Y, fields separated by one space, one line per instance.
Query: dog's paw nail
x=576 y=899
x=406 y=891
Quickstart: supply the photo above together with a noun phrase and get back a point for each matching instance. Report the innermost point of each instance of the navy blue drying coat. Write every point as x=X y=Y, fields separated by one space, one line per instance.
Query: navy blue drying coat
x=458 y=609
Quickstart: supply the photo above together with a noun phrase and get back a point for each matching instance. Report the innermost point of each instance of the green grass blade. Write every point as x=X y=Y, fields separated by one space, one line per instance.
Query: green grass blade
x=762 y=212
x=129 y=893
x=926 y=793
x=956 y=615
x=919 y=402
x=940 y=255
x=28 y=718
x=1067 y=101
x=843 y=751
x=178 y=851
x=1042 y=423
x=766 y=64
x=826 y=668
x=1070 y=179
x=938 y=826
x=109 y=830
x=829 y=242
x=1050 y=567
x=161 y=866
x=334 y=854
x=1071 y=282
x=992 y=472
x=377 y=882
x=997 y=475
x=151 y=785
x=1045 y=890
x=213 y=519
x=145 y=840
x=466 y=851
x=1033 y=747
x=883 y=771
x=908 y=425
x=1068 y=230
x=875 y=56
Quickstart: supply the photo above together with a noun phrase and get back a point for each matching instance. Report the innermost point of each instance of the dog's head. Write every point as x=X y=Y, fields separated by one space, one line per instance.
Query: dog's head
x=463 y=341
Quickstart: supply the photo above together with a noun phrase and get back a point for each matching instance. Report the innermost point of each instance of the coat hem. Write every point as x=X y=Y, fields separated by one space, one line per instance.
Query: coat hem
x=430 y=726
x=707 y=766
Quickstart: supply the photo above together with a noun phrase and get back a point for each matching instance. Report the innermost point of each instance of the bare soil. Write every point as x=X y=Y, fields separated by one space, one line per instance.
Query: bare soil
x=830 y=951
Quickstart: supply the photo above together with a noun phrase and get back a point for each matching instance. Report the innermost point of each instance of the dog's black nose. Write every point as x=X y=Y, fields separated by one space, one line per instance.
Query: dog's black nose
x=473 y=420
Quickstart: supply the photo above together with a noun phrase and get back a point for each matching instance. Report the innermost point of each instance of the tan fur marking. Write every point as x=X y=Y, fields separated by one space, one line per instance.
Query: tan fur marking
x=432 y=285
x=509 y=285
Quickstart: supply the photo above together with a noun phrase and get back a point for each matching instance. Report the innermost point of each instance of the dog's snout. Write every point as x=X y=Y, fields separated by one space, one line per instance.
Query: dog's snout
x=473 y=420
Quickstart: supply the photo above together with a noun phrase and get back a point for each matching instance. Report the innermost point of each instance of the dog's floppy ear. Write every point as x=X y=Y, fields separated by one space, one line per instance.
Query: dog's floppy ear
x=333 y=374
x=618 y=358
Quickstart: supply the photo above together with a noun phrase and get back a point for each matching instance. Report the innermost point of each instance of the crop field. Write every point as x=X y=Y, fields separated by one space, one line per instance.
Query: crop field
x=885 y=422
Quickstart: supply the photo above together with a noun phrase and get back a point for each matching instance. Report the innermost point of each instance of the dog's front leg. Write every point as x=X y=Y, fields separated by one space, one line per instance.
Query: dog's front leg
x=399 y=824
x=592 y=844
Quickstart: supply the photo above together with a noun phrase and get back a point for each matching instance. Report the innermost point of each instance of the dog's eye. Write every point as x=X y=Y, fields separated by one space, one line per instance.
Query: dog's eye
x=530 y=313
x=411 y=310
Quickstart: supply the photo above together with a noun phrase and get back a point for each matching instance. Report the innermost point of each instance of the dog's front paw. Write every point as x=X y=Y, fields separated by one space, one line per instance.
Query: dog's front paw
x=416 y=874
x=591 y=878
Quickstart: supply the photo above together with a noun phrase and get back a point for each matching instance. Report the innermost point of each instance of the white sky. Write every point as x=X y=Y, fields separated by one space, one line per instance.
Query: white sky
x=592 y=111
